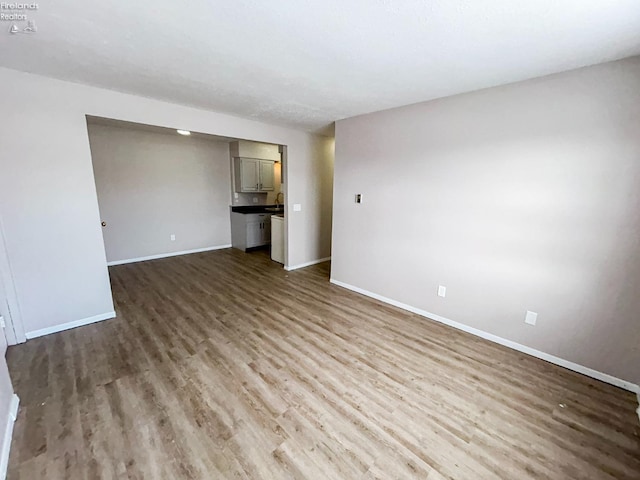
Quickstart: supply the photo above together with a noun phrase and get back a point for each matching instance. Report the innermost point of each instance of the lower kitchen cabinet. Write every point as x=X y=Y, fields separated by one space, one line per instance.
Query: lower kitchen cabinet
x=249 y=230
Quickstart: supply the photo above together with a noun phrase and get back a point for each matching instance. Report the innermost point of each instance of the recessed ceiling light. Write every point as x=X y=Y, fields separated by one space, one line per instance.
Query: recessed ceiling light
x=184 y=132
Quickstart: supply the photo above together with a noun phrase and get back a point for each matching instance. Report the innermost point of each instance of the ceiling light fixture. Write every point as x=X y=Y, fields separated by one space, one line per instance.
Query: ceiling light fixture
x=184 y=132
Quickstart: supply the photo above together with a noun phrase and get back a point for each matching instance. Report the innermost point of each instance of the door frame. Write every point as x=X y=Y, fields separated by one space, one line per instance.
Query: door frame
x=14 y=328
x=284 y=180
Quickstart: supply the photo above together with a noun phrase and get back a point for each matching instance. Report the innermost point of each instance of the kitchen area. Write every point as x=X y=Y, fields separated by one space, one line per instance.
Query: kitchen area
x=257 y=209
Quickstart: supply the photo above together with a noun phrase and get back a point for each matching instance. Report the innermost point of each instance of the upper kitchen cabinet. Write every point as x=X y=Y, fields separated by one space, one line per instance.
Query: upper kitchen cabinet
x=254 y=175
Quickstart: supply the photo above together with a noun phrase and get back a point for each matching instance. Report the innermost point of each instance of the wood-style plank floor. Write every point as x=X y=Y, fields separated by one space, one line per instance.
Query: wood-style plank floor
x=222 y=365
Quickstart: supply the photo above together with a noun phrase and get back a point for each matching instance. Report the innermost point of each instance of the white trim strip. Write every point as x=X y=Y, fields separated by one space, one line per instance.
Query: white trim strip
x=604 y=377
x=13 y=408
x=68 y=325
x=15 y=332
x=8 y=434
x=308 y=264
x=165 y=255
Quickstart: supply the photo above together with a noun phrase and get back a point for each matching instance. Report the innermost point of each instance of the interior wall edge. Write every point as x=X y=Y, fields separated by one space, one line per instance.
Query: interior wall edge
x=603 y=377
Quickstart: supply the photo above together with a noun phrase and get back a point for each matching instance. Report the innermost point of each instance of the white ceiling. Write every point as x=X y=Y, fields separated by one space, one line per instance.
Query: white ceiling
x=307 y=63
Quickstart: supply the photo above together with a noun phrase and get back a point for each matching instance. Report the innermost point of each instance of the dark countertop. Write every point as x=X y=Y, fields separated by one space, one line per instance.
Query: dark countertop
x=257 y=209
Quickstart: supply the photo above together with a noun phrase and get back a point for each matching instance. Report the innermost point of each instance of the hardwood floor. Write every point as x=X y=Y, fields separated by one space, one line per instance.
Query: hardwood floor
x=222 y=365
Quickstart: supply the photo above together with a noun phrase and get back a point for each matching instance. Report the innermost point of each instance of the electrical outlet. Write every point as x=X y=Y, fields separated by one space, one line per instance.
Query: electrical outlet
x=235 y=195
x=255 y=199
x=173 y=237
x=297 y=207
x=358 y=198
x=2 y=324
x=442 y=291
x=531 y=318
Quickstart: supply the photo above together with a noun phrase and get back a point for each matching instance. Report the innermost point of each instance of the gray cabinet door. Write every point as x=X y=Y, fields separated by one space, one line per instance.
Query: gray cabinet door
x=267 y=177
x=266 y=231
x=249 y=175
x=254 y=175
x=254 y=234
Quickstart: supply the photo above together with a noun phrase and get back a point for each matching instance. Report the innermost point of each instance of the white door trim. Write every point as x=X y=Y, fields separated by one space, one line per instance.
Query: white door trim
x=14 y=327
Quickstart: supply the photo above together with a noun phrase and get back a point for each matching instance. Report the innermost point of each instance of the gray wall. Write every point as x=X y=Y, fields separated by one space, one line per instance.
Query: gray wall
x=523 y=197
x=152 y=185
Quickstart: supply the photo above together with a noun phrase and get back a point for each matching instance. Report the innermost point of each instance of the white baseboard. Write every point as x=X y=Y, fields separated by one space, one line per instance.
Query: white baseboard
x=308 y=264
x=632 y=387
x=68 y=325
x=165 y=255
x=8 y=434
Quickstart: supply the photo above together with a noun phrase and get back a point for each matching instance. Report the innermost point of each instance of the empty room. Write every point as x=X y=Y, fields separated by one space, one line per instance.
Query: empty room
x=320 y=240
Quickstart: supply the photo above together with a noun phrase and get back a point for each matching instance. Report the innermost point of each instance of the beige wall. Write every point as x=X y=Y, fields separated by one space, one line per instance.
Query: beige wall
x=523 y=197
x=49 y=206
x=320 y=193
x=152 y=185
x=322 y=170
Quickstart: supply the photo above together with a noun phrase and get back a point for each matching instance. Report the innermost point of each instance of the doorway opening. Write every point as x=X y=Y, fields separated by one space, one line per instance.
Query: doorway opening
x=165 y=192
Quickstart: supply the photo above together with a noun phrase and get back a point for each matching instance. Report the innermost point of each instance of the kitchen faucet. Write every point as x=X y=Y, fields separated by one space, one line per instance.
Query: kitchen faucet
x=278 y=199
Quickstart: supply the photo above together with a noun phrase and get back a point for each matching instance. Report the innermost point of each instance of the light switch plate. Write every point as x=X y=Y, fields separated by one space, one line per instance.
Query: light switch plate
x=297 y=207
x=173 y=237
x=442 y=291
x=531 y=318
